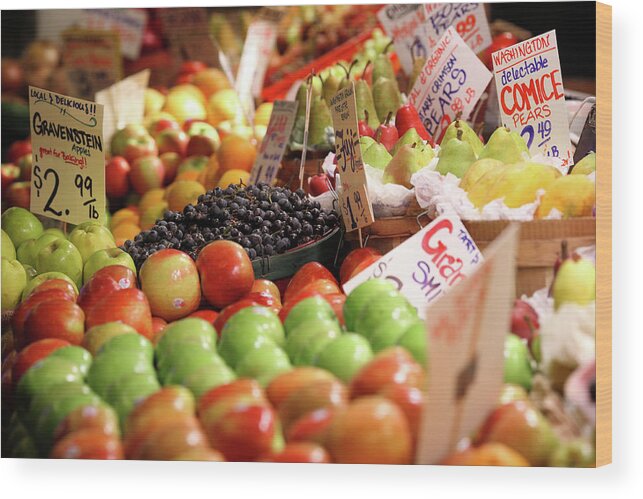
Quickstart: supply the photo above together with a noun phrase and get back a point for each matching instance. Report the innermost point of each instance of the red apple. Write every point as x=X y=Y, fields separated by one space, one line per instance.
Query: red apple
x=158 y=325
x=101 y=418
x=205 y=314
x=25 y=164
x=19 y=194
x=230 y=310
x=353 y=260
x=310 y=397
x=18 y=149
x=492 y=454
x=133 y=142
x=88 y=443
x=226 y=273
x=10 y=174
x=524 y=320
x=147 y=173
x=372 y=430
x=192 y=67
x=59 y=319
x=129 y=306
x=318 y=184
x=299 y=452
x=224 y=396
x=309 y=272
x=313 y=426
x=391 y=365
x=362 y=265
x=172 y=141
x=65 y=286
x=161 y=125
x=105 y=281
x=204 y=139
x=34 y=353
x=170 y=280
x=117 y=171
x=266 y=286
x=285 y=384
x=411 y=400
x=171 y=162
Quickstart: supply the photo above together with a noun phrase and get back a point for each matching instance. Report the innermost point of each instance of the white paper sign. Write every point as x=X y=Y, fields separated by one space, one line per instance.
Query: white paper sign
x=532 y=97
x=451 y=82
x=427 y=265
x=468 y=19
x=405 y=25
x=467 y=331
x=128 y=23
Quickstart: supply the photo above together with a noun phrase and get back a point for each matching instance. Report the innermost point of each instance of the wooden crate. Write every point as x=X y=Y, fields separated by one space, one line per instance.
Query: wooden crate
x=288 y=174
x=539 y=242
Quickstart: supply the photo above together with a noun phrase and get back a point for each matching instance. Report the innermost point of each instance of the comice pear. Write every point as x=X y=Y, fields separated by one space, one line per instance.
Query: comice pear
x=468 y=135
x=406 y=162
x=572 y=195
x=504 y=146
x=456 y=157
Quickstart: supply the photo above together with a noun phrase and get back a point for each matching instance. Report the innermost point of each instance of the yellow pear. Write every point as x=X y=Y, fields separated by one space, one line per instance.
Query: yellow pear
x=586 y=165
x=480 y=191
x=153 y=101
x=519 y=183
x=225 y=106
x=262 y=114
x=185 y=102
x=572 y=195
x=477 y=170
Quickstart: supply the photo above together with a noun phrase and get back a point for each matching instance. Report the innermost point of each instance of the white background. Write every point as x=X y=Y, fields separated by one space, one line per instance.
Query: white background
x=624 y=478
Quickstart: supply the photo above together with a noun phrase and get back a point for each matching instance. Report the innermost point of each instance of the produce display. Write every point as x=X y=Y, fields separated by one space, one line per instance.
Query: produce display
x=157 y=333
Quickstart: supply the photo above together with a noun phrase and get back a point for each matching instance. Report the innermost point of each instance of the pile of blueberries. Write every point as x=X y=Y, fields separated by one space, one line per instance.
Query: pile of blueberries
x=264 y=220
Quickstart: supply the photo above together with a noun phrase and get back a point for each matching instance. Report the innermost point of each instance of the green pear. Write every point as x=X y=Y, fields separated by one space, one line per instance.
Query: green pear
x=365 y=142
x=418 y=66
x=504 y=146
x=410 y=137
x=386 y=96
x=365 y=105
x=456 y=157
x=585 y=166
x=468 y=135
x=320 y=129
x=330 y=87
x=382 y=68
x=408 y=160
x=376 y=156
x=575 y=282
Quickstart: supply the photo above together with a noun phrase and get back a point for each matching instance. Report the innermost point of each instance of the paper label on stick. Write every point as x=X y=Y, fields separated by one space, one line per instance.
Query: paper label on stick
x=354 y=203
x=451 y=82
x=467 y=330
x=68 y=172
x=405 y=25
x=128 y=23
x=92 y=61
x=274 y=142
x=532 y=97
x=188 y=31
x=123 y=103
x=468 y=19
x=427 y=265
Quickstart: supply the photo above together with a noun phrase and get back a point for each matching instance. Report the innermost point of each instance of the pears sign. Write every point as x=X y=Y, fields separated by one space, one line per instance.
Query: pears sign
x=469 y=20
x=532 y=97
x=355 y=206
x=405 y=25
x=451 y=82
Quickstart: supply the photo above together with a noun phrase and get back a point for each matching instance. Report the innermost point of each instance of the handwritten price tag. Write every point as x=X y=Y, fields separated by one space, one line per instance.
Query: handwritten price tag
x=451 y=82
x=467 y=331
x=468 y=19
x=92 y=60
x=274 y=143
x=405 y=25
x=356 y=208
x=532 y=97
x=128 y=23
x=427 y=265
x=68 y=172
x=188 y=31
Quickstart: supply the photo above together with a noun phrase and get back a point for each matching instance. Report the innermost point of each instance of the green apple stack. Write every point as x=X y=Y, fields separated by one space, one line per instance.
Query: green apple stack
x=17 y=440
x=252 y=343
x=123 y=372
x=49 y=391
x=186 y=355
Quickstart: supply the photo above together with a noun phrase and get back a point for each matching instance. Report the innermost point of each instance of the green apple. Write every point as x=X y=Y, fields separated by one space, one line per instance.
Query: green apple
x=575 y=282
x=43 y=401
x=81 y=357
x=14 y=281
x=29 y=249
x=389 y=332
x=189 y=330
x=8 y=249
x=97 y=336
x=21 y=225
x=31 y=273
x=380 y=311
x=45 y=373
x=179 y=371
x=344 y=356
x=208 y=377
x=132 y=342
x=309 y=338
x=517 y=365
x=105 y=258
x=259 y=319
x=40 y=278
x=314 y=307
x=56 y=232
x=112 y=366
x=414 y=340
x=89 y=237
x=232 y=347
x=263 y=364
x=181 y=353
x=372 y=290
x=61 y=256
x=130 y=391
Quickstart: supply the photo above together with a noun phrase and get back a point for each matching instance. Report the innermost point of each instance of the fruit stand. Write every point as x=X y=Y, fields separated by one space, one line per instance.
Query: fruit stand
x=227 y=301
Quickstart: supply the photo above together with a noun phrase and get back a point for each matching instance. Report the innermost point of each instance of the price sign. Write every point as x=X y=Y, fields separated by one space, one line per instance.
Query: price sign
x=274 y=142
x=68 y=172
x=355 y=206
x=467 y=330
x=468 y=19
x=451 y=82
x=92 y=61
x=404 y=24
x=531 y=95
x=123 y=103
x=427 y=265
x=128 y=23
x=188 y=32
